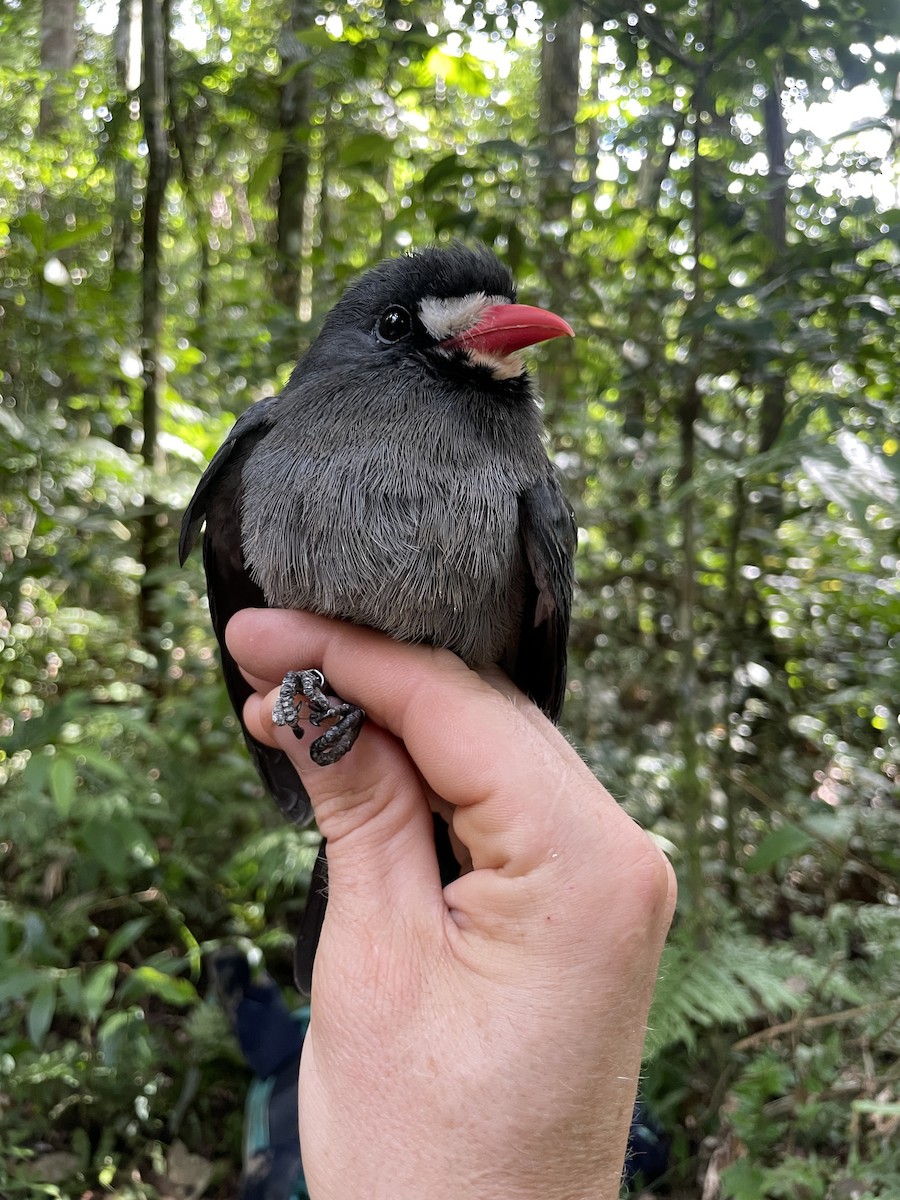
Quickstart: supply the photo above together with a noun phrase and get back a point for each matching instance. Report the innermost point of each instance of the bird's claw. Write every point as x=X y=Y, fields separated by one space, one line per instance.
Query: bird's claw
x=300 y=686
x=305 y=684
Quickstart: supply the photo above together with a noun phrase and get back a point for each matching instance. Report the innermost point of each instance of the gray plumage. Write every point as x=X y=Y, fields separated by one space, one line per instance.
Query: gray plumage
x=346 y=516
x=399 y=482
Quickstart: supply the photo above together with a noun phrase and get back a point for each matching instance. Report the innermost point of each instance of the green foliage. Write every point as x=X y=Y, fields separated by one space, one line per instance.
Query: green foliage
x=726 y=981
x=727 y=427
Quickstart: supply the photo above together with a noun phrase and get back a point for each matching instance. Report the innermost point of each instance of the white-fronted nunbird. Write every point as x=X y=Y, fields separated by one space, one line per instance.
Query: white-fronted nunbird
x=400 y=481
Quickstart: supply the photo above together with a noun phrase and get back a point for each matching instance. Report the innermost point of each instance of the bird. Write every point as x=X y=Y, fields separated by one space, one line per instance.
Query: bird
x=401 y=482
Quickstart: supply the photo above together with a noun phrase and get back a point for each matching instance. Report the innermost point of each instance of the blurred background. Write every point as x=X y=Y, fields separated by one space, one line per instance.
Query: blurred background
x=709 y=194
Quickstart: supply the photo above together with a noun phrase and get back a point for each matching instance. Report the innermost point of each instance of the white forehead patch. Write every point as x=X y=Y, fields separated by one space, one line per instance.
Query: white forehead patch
x=445 y=318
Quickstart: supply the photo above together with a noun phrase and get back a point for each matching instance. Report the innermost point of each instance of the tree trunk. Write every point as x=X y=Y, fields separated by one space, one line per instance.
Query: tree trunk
x=293 y=178
x=766 y=513
x=58 y=44
x=692 y=799
x=154 y=25
x=560 y=53
x=772 y=413
x=124 y=248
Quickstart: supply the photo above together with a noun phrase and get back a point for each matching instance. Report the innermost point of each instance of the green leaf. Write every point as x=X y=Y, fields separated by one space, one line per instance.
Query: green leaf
x=445 y=168
x=40 y=1012
x=266 y=170
x=366 y=148
x=98 y=989
x=116 y=841
x=743 y=1181
x=463 y=71
x=126 y=935
x=71 y=237
x=62 y=784
x=103 y=764
x=34 y=227
x=316 y=36
x=117 y=1031
x=148 y=981
x=71 y=990
x=18 y=982
x=786 y=842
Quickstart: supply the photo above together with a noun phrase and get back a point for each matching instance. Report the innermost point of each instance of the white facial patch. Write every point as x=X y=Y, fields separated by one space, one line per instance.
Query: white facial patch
x=445 y=318
x=501 y=366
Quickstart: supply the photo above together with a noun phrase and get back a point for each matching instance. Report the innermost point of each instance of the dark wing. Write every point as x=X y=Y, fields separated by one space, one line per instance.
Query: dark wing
x=217 y=501
x=225 y=465
x=547 y=529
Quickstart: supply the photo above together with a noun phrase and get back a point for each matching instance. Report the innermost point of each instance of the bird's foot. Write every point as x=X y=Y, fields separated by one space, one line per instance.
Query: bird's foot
x=334 y=743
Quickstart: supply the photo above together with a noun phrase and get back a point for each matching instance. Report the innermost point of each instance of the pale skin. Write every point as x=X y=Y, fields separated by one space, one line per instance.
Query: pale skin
x=480 y=1041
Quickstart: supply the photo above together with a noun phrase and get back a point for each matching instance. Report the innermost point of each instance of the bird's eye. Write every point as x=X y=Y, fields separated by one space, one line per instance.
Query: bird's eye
x=393 y=324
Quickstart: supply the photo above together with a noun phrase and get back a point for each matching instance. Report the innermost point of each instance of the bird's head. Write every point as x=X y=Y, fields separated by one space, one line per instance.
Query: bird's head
x=454 y=309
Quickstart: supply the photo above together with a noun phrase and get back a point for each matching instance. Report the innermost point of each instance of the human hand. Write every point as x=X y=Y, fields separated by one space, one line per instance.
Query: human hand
x=481 y=1040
